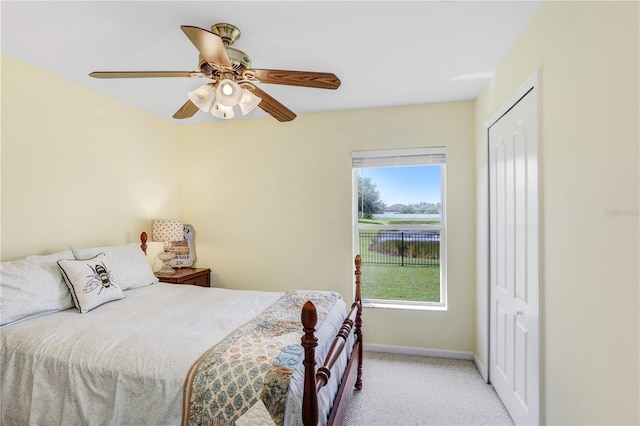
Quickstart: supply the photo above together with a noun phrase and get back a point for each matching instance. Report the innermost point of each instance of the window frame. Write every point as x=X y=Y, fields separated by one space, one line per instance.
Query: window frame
x=399 y=158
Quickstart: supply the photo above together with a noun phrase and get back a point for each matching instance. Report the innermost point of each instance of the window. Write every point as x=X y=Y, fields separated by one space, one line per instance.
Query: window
x=400 y=227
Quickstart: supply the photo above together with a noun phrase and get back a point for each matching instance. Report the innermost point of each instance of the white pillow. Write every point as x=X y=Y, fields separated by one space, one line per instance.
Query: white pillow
x=90 y=281
x=129 y=265
x=32 y=286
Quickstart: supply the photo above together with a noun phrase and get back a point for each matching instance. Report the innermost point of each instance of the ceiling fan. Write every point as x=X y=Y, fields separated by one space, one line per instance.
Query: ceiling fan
x=233 y=78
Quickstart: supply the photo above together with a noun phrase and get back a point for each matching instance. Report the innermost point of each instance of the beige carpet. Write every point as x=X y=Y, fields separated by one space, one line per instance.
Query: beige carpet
x=412 y=390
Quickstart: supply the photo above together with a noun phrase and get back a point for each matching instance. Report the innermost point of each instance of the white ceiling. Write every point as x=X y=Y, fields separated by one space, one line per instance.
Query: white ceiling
x=386 y=53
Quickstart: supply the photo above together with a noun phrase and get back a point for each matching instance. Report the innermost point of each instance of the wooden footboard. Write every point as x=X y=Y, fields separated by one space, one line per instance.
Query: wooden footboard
x=315 y=380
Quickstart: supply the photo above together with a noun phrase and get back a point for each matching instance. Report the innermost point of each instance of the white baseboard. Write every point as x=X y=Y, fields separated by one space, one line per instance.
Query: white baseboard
x=406 y=350
x=481 y=369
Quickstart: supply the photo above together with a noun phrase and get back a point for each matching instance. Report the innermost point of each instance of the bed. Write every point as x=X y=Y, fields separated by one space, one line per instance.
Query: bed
x=159 y=353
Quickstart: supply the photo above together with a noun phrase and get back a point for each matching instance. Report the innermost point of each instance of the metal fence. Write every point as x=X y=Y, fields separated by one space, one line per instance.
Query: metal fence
x=402 y=248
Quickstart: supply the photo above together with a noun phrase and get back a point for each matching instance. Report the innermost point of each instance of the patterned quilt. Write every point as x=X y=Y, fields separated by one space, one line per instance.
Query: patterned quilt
x=253 y=365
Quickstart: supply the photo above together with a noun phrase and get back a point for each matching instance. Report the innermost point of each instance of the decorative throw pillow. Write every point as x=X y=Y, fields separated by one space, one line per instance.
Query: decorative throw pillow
x=90 y=281
x=129 y=265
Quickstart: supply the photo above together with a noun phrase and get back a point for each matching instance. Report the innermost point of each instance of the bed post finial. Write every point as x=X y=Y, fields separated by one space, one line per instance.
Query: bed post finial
x=143 y=241
x=358 y=274
x=309 y=342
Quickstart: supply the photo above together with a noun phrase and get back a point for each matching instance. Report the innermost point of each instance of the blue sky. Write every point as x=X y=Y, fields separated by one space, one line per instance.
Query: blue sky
x=406 y=185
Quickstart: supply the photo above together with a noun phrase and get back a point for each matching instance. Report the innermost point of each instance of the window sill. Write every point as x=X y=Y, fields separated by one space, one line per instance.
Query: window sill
x=403 y=306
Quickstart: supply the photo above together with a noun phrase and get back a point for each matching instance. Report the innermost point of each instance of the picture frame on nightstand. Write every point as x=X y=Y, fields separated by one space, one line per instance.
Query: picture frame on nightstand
x=184 y=250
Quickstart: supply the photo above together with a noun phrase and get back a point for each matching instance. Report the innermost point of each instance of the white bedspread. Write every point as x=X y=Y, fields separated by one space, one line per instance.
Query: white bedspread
x=123 y=363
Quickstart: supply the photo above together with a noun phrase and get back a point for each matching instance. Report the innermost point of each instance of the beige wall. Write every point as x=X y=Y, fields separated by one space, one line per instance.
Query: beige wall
x=78 y=168
x=587 y=55
x=271 y=205
x=270 y=202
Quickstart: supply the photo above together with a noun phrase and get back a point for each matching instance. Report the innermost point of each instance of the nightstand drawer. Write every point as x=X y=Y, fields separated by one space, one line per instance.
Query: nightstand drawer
x=189 y=276
x=202 y=280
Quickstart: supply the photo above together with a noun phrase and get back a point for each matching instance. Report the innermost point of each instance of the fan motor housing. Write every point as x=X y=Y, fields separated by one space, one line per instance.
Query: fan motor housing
x=240 y=61
x=238 y=57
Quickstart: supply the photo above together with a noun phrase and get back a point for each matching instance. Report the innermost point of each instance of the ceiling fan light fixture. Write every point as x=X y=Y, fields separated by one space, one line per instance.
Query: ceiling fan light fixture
x=226 y=66
x=222 y=111
x=228 y=93
x=249 y=101
x=203 y=97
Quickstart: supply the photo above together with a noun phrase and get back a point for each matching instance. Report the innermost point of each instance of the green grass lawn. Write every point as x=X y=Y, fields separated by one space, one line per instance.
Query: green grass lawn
x=419 y=284
x=394 y=282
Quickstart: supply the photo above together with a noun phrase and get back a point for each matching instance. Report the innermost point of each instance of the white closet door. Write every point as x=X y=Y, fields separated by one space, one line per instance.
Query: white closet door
x=514 y=314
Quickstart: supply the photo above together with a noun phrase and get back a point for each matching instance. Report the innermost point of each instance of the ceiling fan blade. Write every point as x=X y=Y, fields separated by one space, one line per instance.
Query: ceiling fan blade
x=187 y=110
x=145 y=74
x=209 y=45
x=272 y=107
x=320 y=80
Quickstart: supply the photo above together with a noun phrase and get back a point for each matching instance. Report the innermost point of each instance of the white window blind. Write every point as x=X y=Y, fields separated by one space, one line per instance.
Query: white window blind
x=398 y=157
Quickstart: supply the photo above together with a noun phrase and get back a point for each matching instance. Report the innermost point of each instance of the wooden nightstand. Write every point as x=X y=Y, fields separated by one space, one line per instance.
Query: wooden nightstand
x=191 y=276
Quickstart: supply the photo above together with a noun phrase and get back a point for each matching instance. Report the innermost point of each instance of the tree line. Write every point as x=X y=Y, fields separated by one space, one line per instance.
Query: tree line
x=369 y=202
